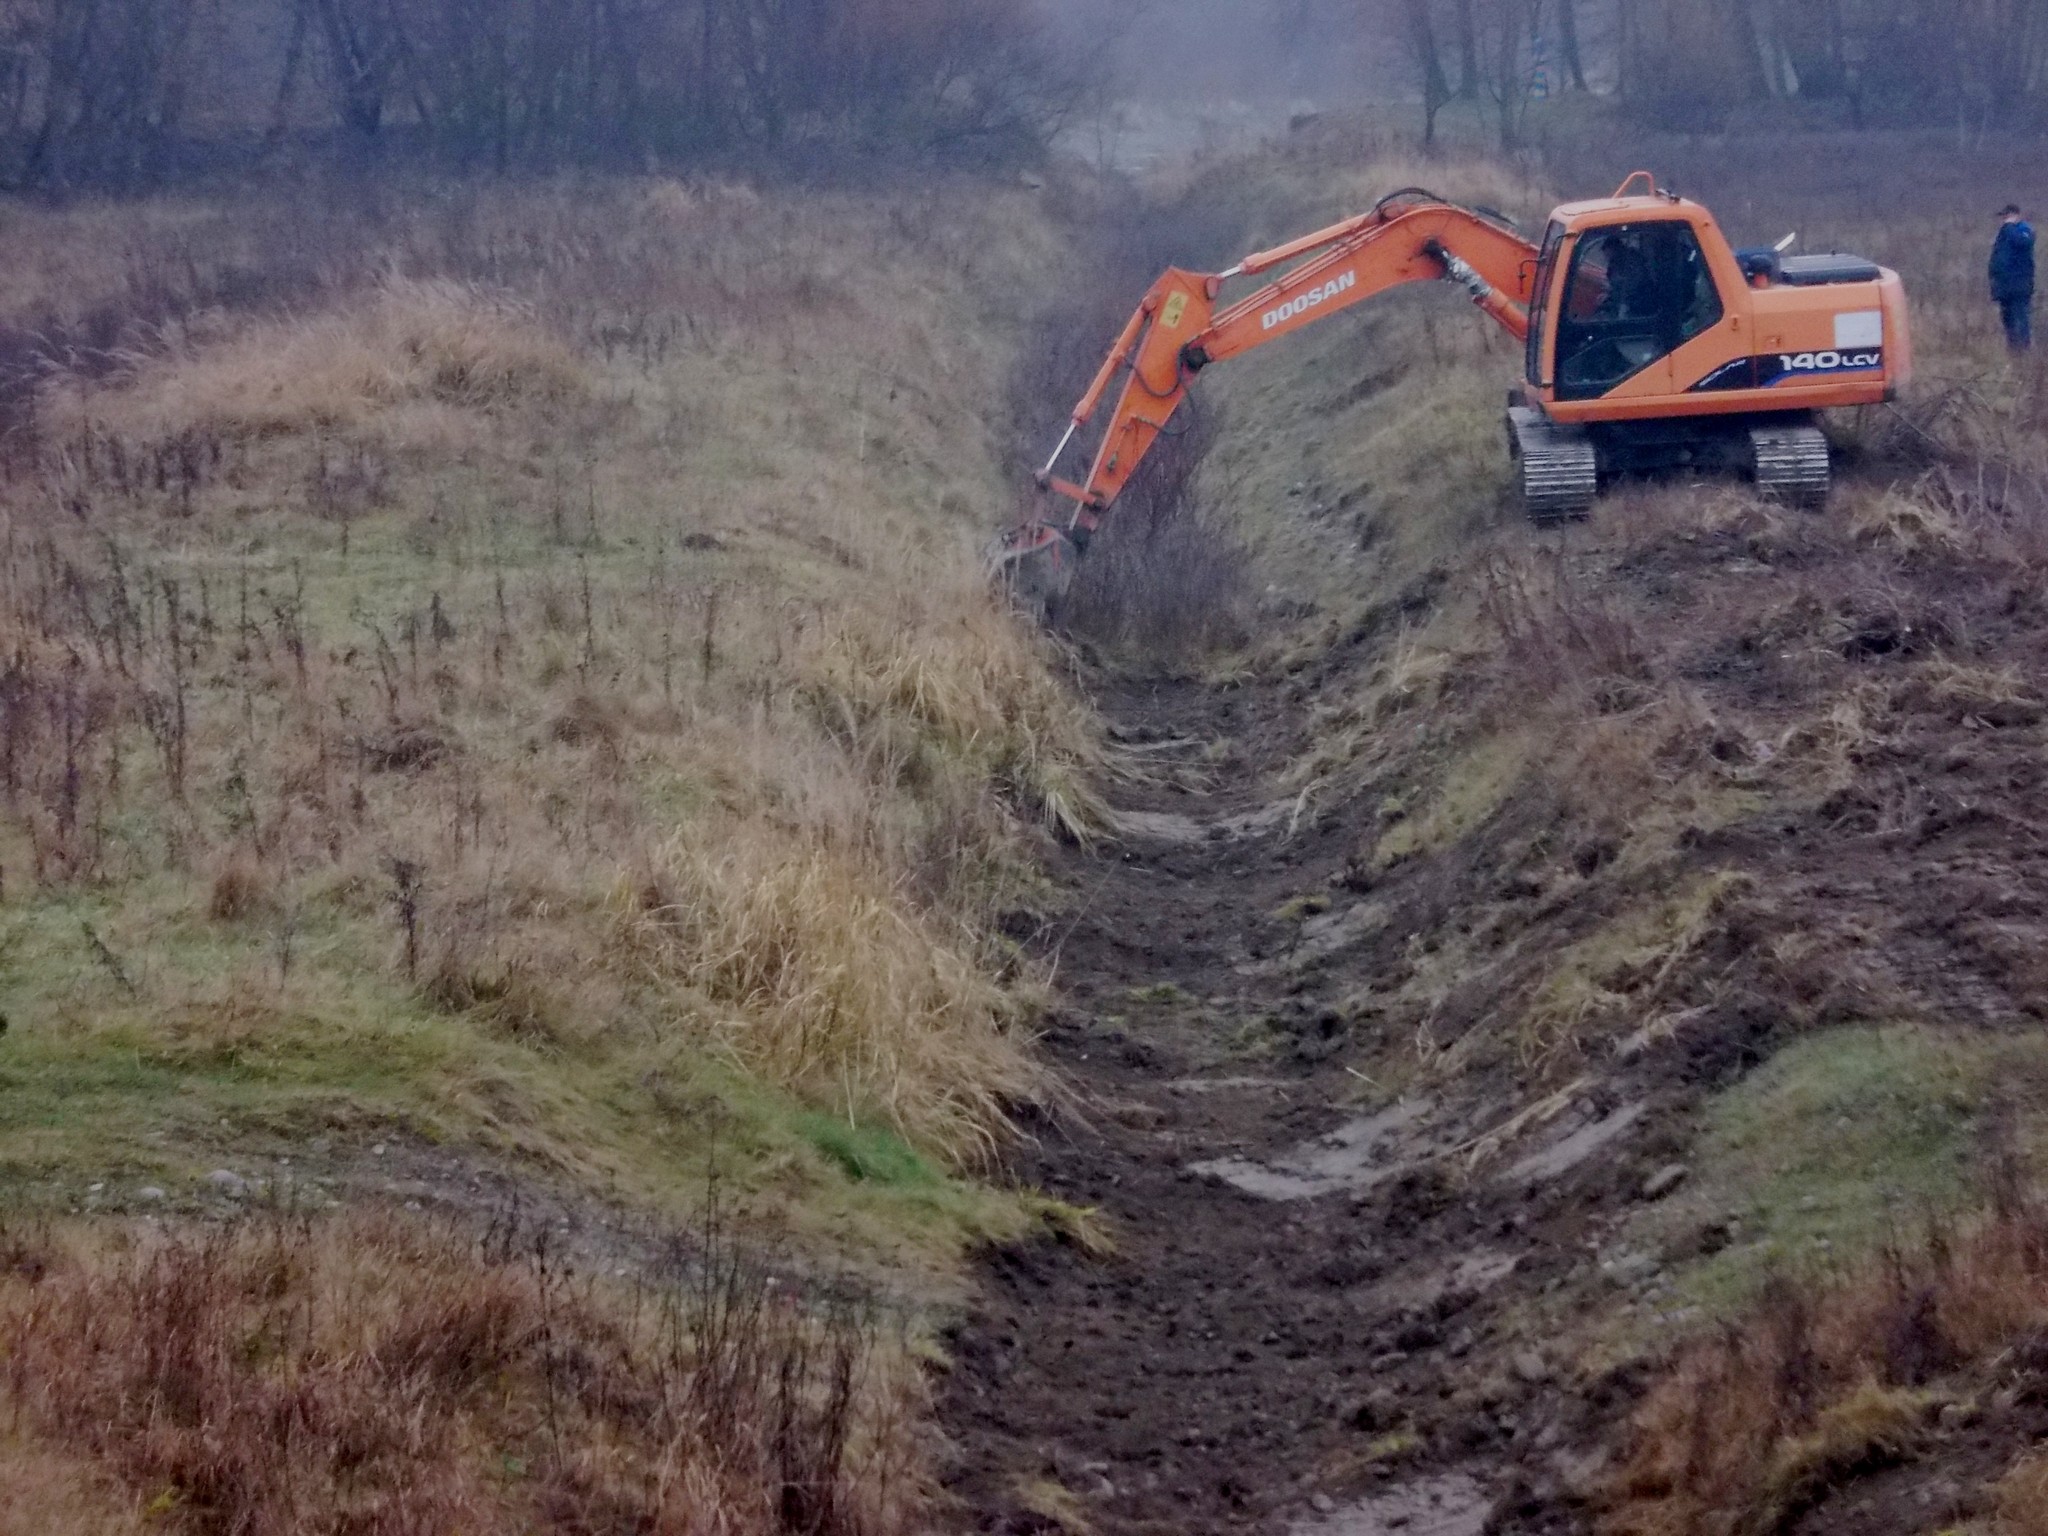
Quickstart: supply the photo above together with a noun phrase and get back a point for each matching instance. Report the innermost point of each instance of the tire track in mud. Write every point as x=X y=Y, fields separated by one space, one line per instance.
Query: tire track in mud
x=1305 y=1324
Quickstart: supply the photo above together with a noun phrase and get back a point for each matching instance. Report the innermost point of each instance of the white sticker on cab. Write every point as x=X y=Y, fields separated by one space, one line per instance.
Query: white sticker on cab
x=1859 y=328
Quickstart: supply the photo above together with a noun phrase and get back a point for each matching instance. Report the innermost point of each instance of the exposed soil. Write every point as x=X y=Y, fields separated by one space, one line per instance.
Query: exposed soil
x=1298 y=1303
x=1341 y=1307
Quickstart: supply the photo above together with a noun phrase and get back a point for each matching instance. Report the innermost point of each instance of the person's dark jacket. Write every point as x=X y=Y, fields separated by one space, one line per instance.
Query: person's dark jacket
x=2012 y=262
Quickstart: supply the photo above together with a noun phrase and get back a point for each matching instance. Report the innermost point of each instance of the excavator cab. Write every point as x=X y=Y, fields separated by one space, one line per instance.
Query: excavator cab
x=1651 y=345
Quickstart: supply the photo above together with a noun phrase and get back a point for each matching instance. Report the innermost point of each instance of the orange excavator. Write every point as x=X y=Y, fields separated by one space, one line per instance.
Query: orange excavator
x=1650 y=344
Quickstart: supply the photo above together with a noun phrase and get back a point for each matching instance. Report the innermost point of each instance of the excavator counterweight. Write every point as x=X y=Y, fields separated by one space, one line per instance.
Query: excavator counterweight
x=1650 y=344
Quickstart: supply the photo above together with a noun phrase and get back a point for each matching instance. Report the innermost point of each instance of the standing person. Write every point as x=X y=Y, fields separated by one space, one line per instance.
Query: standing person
x=2012 y=277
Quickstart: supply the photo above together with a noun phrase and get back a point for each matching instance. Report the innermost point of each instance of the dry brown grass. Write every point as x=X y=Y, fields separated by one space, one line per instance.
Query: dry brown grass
x=364 y=640
x=440 y=341
x=1748 y=1428
x=54 y=1491
x=374 y=1376
x=2023 y=1498
x=823 y=980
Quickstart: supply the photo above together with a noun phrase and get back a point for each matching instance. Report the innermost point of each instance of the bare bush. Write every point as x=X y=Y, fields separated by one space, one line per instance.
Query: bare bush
x=1558 y=640
x=375 y=1376
x=1166 y=579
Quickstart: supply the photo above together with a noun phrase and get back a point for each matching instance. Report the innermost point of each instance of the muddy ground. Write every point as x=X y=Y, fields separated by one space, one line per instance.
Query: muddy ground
x=1297 y=1299
x=1339 y=1306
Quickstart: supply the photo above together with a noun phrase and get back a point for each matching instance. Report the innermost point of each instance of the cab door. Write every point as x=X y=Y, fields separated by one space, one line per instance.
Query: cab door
x=1633 y=295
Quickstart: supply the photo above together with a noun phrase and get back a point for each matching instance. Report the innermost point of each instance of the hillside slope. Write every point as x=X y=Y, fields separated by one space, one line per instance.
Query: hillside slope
x=500 y=720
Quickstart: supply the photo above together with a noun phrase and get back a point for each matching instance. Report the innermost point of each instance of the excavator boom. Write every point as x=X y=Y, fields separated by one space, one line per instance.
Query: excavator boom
x=1179 y=328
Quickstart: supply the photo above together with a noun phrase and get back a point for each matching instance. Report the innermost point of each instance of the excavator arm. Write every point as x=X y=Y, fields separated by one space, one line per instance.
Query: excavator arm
x=1182 y=328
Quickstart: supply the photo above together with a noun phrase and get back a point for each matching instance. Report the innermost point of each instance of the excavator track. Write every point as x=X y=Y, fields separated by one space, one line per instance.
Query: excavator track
x=1560 y=468
x=1793 y=464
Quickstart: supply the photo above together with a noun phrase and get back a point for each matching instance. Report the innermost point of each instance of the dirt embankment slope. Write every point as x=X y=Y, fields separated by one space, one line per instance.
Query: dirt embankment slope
x=1545 y=944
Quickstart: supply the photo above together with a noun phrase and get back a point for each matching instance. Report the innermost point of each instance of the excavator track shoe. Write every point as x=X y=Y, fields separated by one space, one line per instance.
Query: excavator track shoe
x=1793 y=464
x=1559 y=466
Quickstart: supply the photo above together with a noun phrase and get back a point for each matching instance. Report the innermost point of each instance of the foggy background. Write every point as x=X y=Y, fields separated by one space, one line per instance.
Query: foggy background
x=112 y=94
x=1265 y=50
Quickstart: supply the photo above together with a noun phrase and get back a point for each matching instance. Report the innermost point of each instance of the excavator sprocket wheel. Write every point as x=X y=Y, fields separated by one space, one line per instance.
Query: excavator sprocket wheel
x=1559 y=467
x=1793 y=464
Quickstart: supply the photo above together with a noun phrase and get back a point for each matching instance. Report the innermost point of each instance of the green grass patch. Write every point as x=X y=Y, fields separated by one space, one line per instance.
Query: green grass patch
x=1838 y=1143
x=868 y=1154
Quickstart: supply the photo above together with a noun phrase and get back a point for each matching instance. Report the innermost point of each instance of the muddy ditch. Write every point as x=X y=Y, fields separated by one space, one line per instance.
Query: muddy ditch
x=1375 y=1268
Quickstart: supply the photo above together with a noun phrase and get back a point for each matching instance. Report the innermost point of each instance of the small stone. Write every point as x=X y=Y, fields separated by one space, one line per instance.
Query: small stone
x=231 y=1185
x=149 y=1194
x=1631 y=1268
x=1323 y=1504
x=1665 y=1180
x=1532 y=1368
x=377 y=1150
x=94 y=1189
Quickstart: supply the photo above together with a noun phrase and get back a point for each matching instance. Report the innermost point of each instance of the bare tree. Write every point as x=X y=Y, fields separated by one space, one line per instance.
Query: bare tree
x=1505 y=32
x=1568 y=43
x=362 y=48
x=1417 y=20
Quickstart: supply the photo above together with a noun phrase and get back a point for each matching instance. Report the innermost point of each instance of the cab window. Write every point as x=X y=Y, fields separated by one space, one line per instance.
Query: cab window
x=1635 y=293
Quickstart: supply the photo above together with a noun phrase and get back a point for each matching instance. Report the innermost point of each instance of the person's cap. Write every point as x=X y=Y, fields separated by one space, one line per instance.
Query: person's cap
x=2008 y=210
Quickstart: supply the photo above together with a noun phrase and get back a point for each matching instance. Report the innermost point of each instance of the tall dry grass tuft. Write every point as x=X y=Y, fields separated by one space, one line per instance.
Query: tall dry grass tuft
x=966 y=693
x=381 y=1377
x=407 y=341
x=822 y=979
x=2022 y=1498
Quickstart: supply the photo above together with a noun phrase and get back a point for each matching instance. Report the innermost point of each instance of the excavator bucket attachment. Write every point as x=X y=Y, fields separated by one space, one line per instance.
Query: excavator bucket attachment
x=1035 y=564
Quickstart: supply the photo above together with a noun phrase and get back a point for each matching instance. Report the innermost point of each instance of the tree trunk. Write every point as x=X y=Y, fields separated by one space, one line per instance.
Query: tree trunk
x=1624 y=47
x=1568 y=43
x=1468 y=49
x=1425 y=52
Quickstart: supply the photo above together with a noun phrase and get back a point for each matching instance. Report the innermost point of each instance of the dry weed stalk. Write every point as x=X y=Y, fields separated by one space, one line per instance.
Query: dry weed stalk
x=292 y=1375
